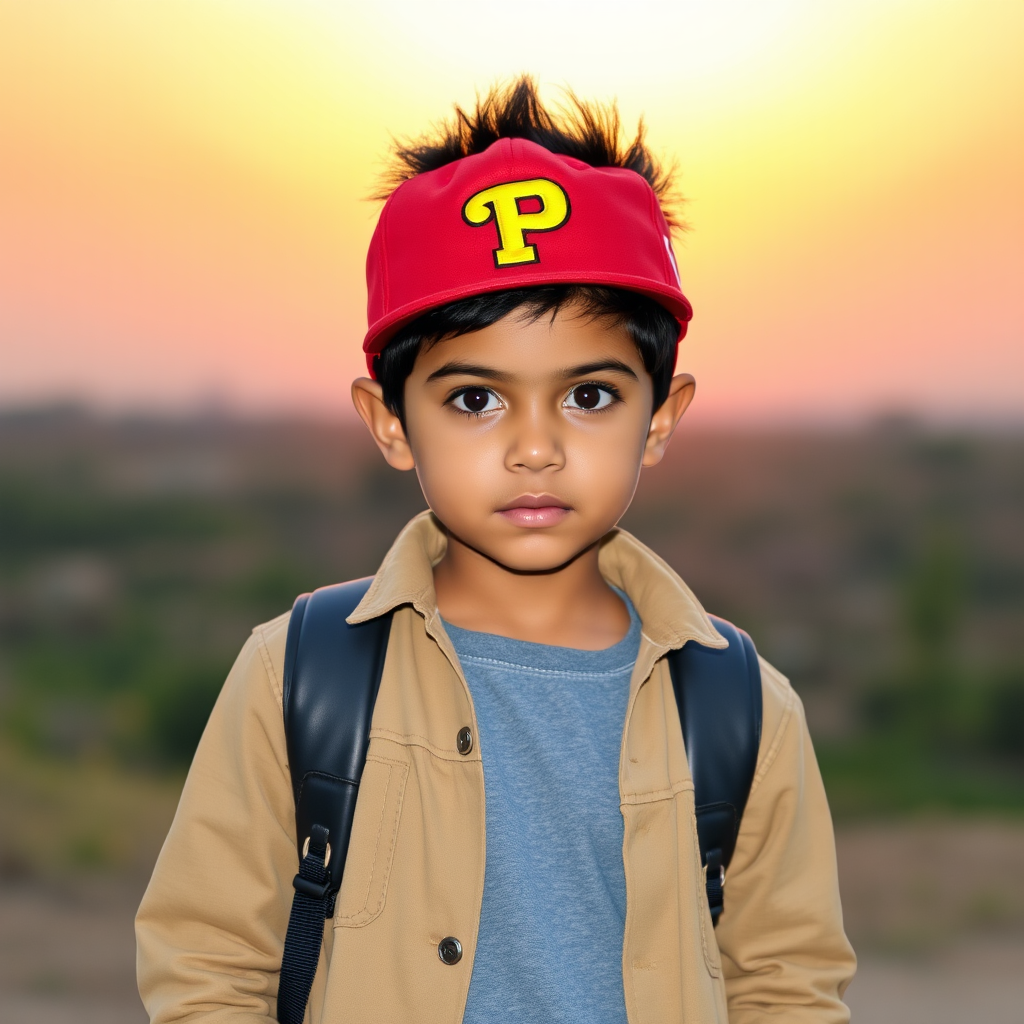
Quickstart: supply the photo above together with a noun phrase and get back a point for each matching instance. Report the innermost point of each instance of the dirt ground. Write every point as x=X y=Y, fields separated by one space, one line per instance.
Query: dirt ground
x=67 y=953
x=936 y=910
x=976 y=978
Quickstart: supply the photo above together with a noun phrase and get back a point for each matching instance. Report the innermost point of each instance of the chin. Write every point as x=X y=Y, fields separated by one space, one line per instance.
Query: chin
x=536 y=553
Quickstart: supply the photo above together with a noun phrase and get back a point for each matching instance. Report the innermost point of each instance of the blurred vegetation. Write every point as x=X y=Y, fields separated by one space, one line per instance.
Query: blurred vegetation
x=882 y=570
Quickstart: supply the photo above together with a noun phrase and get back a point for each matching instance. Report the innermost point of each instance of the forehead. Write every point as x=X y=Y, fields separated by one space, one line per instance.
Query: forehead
x=530 y=347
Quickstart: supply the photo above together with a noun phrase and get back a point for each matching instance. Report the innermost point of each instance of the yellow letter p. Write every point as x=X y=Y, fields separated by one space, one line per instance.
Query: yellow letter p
x=505 y=205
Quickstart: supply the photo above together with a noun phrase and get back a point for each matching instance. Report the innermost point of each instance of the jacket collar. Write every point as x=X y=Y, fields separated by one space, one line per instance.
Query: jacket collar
x=670 y=613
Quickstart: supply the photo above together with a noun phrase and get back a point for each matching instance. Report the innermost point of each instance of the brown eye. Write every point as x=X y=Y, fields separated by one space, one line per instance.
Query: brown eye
x=589 y=397
x=475 y=400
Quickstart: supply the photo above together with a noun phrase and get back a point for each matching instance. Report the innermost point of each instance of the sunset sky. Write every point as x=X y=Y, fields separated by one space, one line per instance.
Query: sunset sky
x=182 y=183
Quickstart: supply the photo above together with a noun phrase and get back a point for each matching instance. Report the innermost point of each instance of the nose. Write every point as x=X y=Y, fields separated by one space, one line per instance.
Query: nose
x=536 y=444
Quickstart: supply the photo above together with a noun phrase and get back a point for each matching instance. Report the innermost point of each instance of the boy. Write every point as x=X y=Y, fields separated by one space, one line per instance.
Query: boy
x=524 y=316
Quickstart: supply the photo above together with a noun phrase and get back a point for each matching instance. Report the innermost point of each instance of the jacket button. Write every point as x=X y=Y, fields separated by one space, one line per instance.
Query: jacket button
x=450 y=951
x=464 y=741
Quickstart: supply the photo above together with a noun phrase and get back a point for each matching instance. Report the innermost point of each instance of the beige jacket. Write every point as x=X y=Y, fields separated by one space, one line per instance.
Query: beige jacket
x=211 y=926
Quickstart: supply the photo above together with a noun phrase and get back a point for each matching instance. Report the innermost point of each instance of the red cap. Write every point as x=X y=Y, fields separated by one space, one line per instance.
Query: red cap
x=513 y=216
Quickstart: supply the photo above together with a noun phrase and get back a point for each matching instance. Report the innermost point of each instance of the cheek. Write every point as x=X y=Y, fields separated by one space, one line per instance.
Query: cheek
x=455 y=466
x=609 y=466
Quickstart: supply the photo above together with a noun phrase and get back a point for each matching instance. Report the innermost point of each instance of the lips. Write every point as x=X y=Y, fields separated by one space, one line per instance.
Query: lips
x=533 y=510
x=535 y=501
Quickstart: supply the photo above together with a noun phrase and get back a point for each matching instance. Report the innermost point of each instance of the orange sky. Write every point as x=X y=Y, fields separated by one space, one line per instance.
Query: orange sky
x=181 y=212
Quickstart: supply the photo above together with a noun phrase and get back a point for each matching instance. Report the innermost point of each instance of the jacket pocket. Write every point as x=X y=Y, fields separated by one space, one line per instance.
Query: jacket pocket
x=364 y=884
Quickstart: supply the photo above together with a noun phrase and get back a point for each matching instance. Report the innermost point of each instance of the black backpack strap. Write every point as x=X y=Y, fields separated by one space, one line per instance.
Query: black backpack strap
x=719 y=698
x=332 y=674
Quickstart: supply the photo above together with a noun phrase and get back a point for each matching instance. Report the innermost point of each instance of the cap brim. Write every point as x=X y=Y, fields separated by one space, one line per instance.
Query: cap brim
x=385 y=329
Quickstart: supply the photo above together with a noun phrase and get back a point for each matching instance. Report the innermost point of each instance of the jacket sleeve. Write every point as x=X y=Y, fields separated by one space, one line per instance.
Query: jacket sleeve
x=785 y=955
x=211 y=926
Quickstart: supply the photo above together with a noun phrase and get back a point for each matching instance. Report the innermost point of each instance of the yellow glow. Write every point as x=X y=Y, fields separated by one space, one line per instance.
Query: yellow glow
x=182 y=183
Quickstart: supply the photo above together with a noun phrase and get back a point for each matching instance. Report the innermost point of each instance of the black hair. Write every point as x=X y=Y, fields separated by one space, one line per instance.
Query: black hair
x=651 y=327
x=591 y=132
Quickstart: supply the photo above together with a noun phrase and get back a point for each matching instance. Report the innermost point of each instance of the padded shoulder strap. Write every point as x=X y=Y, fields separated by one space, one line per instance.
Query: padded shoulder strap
x=719 y=698
x=331 y=677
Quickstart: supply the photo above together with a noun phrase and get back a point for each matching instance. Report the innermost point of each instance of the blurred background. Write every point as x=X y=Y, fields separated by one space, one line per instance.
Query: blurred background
x=182 y=230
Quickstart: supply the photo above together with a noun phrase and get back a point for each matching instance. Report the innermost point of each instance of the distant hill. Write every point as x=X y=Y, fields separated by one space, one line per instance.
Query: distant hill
x=883 y=569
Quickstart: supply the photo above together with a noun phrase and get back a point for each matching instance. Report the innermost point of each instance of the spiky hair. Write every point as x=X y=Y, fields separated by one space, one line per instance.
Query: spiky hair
x=590 y=132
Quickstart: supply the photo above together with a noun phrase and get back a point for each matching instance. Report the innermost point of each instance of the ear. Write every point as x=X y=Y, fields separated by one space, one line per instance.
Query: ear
x=666 y=416
x=384 y=426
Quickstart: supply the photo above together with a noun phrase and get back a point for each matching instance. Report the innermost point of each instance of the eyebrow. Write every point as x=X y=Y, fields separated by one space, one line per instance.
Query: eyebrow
x=455 y=368
x=603 y=366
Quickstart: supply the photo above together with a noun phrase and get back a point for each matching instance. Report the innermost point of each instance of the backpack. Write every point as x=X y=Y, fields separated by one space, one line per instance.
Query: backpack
x=332 y=673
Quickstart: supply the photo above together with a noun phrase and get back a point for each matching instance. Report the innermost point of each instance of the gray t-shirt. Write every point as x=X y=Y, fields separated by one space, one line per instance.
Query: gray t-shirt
x=550 y=721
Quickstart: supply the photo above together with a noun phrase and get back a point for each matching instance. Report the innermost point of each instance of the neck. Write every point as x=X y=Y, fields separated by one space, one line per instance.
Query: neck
x=570 y=606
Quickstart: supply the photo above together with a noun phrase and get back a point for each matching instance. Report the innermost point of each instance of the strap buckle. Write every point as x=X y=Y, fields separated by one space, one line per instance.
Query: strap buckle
x=714 y=880
x=314 y=890
x=714 y=883
x=327 y=852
